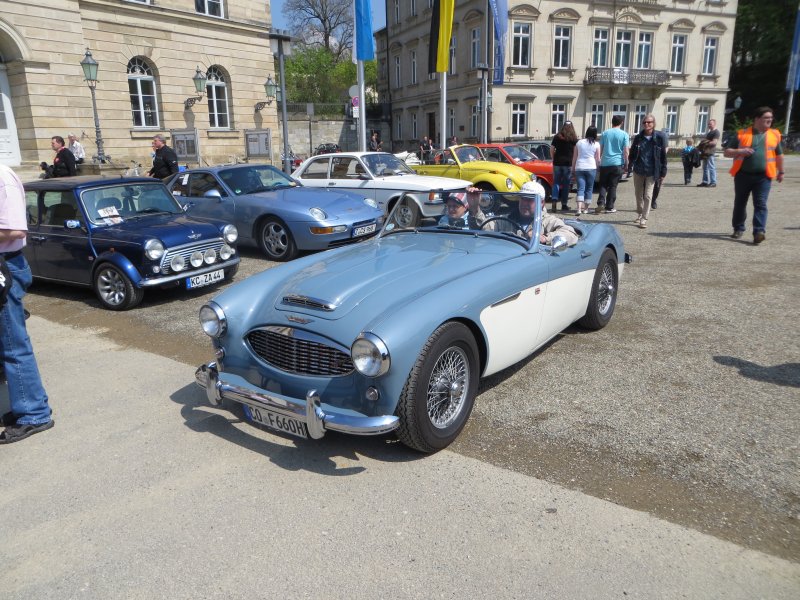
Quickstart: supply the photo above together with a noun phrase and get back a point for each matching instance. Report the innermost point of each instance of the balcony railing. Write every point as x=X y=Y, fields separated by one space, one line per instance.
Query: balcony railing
x=624 y=76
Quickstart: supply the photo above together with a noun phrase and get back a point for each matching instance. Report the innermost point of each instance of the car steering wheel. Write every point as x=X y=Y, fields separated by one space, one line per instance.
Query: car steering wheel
x=517 y=226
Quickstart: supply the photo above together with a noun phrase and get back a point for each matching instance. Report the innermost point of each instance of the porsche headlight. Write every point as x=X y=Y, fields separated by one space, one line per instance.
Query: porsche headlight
x=509 y=183
x=317 y=213
x=370 y=202
x=230 y=233
x=212 y=320
x=153 y=249
x=370 y=355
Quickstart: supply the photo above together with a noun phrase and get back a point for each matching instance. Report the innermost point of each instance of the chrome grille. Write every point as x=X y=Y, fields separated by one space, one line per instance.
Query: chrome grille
x=298 y=352
x=186 y=251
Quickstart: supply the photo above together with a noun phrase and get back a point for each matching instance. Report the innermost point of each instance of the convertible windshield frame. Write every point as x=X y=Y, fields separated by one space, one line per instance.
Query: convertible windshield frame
x=405 y=217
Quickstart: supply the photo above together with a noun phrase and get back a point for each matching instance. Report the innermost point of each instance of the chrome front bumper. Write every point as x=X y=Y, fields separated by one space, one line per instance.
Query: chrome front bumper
x=155 y=281
x=226 y=386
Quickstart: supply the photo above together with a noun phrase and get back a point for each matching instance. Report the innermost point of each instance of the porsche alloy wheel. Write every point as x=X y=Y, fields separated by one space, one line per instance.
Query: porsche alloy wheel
x=603 y=298
x=114 y=290
x=276 y=241
x=440 y=392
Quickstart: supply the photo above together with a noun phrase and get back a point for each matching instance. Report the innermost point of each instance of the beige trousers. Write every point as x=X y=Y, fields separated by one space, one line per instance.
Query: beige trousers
x=643 y=188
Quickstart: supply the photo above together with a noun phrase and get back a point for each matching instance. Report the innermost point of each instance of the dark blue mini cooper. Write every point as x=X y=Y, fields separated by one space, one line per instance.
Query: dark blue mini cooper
x=122 y=235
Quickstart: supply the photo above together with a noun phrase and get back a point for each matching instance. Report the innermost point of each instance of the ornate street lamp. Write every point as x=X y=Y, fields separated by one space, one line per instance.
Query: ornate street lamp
x=270 y=88
x=199 y=79
x=90 y=67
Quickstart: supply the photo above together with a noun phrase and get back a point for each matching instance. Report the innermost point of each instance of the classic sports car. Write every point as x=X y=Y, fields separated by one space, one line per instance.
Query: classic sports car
x=467 y=162
x=514 y=154
x=274 y=212
x=377 y=175
x=393 y=334
x=121 y=236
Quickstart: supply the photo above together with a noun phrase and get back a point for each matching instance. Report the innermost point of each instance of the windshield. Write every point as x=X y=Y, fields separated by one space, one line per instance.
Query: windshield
x=491 y=214
x=250 y=179
x=519 y=153
x=468 y=153
x=386 y=165
x=114 y=204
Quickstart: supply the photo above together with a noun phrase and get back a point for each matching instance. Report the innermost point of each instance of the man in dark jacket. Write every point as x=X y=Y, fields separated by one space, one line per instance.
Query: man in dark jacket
x=648 y=156
x=165 y=161
x=64 y=162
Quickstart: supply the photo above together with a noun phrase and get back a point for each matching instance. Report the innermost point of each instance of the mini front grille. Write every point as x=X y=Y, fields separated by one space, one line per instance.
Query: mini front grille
x=292 y=351
x=187 y=250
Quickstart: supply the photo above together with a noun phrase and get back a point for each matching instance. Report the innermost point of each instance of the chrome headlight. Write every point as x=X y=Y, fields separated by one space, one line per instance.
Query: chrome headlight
x=230 y=233
x=370 y=202
x=225 y=252
x=533 y=176
x=370 y=355
x=213 y=320
x=509 y=183
x=317 y=213
x=153 y=249
x=196 y=259
x=177 y=263
x=209 y=256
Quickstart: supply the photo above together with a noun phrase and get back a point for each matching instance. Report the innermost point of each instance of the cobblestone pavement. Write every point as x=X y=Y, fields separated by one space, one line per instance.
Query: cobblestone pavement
x=685 y=406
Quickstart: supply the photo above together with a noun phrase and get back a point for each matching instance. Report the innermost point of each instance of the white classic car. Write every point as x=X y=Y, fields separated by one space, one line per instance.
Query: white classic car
x=381 y=176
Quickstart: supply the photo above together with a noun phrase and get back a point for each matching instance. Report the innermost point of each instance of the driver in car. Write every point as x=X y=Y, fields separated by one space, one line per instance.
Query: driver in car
x=464 y=210
x=525 y=211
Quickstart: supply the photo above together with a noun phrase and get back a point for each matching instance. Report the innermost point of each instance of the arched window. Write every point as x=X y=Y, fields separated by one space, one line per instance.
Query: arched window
x=142 y=88
x=217 y=92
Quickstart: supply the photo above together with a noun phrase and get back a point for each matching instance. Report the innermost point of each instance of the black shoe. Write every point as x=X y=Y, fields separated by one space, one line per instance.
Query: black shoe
x=758 y=238
x=702 y=185
x=737 y=234
x=712 y=185
x=17 y=432
x=564 y=208
x=653 y=205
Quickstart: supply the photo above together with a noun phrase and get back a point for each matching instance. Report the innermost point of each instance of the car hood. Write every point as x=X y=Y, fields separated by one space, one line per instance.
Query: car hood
x=381 y=273
x=425 y=182
x=172 y=230
x=334 y=203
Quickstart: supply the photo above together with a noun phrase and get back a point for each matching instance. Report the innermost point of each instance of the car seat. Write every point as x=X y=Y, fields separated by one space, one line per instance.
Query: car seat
x=58 y=213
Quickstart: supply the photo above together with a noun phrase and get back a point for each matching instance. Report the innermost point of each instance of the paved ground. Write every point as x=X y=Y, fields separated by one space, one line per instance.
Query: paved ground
x=141 y=491
x=685 y=407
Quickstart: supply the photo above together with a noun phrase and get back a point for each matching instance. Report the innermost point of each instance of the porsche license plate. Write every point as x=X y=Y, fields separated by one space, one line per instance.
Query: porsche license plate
x=277 y=421
x=364 y=230
x=205 y=279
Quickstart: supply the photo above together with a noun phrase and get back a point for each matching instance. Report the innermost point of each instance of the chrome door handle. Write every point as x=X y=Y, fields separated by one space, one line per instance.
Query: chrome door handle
x=585 y=254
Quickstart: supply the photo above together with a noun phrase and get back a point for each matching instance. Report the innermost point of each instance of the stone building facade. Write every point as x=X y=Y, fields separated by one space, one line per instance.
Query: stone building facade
x=148 y=51
x=582 y=60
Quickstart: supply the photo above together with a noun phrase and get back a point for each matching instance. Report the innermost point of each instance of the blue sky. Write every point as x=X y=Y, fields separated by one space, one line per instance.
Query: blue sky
x=378 y=14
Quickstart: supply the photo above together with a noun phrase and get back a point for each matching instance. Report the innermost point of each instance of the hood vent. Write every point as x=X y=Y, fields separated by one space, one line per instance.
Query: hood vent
x=307 y=302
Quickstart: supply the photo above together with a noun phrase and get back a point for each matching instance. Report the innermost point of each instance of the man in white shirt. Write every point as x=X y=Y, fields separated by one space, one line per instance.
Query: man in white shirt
x=77 y=149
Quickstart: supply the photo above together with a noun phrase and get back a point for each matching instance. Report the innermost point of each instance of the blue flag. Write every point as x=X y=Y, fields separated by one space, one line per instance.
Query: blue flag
x=793 y=75
x=363 y=42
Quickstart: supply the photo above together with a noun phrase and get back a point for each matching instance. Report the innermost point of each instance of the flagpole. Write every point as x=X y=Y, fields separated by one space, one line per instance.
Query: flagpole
x=443 y=84
x=362 y=109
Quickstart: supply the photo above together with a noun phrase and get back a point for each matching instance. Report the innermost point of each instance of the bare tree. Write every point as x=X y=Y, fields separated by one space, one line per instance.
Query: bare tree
x=322 y=23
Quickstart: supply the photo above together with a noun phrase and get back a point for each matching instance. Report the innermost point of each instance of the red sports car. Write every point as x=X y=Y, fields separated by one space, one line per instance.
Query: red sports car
x=514 y=154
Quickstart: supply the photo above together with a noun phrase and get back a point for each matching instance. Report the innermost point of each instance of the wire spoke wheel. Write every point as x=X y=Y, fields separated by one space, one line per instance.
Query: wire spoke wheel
x=605 y=290
x=447 y=387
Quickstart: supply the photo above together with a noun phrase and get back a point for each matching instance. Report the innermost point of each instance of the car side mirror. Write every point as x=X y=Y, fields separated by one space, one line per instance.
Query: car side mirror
x=559 y=244
x=212 y=194
x=72 y=224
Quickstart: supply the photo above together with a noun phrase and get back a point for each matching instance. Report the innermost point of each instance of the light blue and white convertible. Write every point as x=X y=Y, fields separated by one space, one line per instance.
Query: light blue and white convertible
x=393 y=334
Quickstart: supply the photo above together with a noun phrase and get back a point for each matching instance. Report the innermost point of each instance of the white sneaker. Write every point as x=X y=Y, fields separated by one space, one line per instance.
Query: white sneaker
x=638 y=219
x=643 y=224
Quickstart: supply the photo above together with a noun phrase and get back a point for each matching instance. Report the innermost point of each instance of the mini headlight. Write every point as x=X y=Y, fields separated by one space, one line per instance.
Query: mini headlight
x=230 y=233
x=210 y=256
x=370 y=202
x=317 y=213
x=196 y=259
x=212 y=320
x=509 y=183
x=225 y=252
x=369 y=355
x=177 y=263
x=153 y=249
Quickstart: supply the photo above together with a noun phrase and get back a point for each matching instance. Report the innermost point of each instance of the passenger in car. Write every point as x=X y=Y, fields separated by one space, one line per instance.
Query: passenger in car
x=464 y=210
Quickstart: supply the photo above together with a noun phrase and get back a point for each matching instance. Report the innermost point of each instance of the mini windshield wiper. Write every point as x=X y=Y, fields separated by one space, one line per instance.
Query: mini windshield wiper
x=149 y=211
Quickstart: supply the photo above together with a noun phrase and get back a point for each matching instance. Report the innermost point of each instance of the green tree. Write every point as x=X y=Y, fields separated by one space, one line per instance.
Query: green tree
x=762 y=44
x=313 y=74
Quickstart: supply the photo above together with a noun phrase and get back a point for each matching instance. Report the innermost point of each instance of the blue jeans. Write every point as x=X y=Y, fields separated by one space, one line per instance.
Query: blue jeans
x=709 y=170
x=25 y=391
x=585 y=180
x=561 y=177
x=745 y=184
